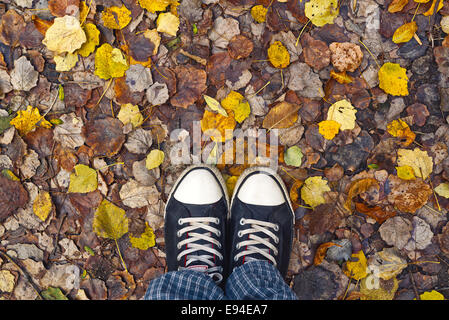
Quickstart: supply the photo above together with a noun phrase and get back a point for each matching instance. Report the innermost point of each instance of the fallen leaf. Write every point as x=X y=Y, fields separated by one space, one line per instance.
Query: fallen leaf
x=373 y=289
x=400 y=129
x=237 y=103
x=432 y=8
x=443 y=190
x=65 y=62
x=406 y=173
x=42 y=205
x=27 y=120
x=240 y=47
x=321 y=12
x=356 y=267
x=344 y=113
x=259 y=13
x=110 y=221
x=191 y=84
x=7 y=281
x=104 y=135
x=357 y=187
x=11 y=27
x=282 y=115
x=217 y=126
x=293 y=156
x=393 y=79
x=215 y=105
x=387 y=264
x=53 y=294
x=346 y=56
x=83 y=180
x=110 y=62
x=341 y=77
x=116 y=18
x=431 y=295
x=154 y=159
x=60 y=8
x=156 y=5
x=397 y=5
x=93 y=40
x=145 y=240
x=23 y=76
x=230 y=184
x=408 y=195
x=419 y=160
x=405 y=32
x=12 y=196
x=167 y=23
x=321 y=252
x=278 y=55
x=329 y=128
x=130 y=114
x=313 y=191
x=65 y=35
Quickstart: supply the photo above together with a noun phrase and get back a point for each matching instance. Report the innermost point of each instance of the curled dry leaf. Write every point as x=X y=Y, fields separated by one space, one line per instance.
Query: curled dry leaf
x=346 y=56
x=408 y=196
x=191 y=85
x=321 y=252
x=357 y=187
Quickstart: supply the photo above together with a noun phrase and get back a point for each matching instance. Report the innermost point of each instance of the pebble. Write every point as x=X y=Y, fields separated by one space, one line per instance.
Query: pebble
x=412 y=49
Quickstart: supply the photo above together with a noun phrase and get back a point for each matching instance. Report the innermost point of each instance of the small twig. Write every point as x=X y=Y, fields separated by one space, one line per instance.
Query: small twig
x=414 y=285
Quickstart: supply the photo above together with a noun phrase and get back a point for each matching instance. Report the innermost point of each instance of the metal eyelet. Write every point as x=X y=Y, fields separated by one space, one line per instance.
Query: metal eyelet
x=178 y=246
x=276 y=227
x=239 y=234
x=180 y=221
x=235 y=259
x=217 y=220
x=276 y=240
x=242 y=221
x=179 y=234
x=218 y=233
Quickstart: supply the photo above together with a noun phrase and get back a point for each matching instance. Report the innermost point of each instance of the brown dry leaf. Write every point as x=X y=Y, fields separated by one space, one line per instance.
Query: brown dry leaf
x=294 y=192
x=357 y=187
x=321 y=252
x=240 y=47
x=216 y=68
x=41 y=25
x=191 y=85
x=346 y=56
x=377 y=213
x=11 y=28
x=408 y=195
x=60 y=8
x=12 y=196
x=104 y=136
x=282 y=115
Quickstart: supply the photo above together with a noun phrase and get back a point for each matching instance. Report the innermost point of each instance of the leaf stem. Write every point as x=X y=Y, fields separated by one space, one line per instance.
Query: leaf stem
x=120 y=254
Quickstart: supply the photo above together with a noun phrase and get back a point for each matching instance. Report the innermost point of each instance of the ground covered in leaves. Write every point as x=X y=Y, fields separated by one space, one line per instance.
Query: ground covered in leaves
x=91 y=91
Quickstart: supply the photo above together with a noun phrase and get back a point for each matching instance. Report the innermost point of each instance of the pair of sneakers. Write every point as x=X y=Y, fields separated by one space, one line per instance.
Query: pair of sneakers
x=206 y=232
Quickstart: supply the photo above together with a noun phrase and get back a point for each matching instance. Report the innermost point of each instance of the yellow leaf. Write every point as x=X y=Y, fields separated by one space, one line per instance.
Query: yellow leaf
x=154 y=37
x=393 y=79
x=230 y=184
x=157 y=5
x=278 y=55
x=430 y=11
x=7 y=281
x=215 y=105
x=167 y=23
x=373 y=289
x=431 y=295
x=313 y=191
x=341 y=77
x=93 y=40
x=83 y=180
x=84 y=11
x=344 y=113
x=154 y=159
x=405 y=32
x=42 y=205
x=217 y=126
x=116 y=18
x=397 y=5
x=328 y=128
x=356 y=268
x=26 y=121
x=110 y=62
x=259 y=13
x=237 y=103
x=65 y=62
x=145 y=240
x=406 y=173
x=130 y=114
x=418 y=160
x=321 y=12
x=400 y=129
x=64 y=35
x=110 y=221
x=443 y=190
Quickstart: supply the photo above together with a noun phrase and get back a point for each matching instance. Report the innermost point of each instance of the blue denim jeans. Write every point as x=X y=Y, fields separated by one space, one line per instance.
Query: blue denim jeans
x=254 y=280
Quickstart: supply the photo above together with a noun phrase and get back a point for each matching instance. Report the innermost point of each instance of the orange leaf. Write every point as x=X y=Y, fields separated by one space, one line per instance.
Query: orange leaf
x=294 y=194
x=40 y=24
x=397 y=5
x=321 y=252
x=357 y=187
x=341 y=77
x=377 y=213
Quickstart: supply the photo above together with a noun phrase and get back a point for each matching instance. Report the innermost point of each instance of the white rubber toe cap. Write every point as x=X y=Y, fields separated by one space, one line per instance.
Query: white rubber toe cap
x=198 y=187
x=260 y=189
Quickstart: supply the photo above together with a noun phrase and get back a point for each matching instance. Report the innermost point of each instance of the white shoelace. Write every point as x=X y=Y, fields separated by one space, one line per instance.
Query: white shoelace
x=195 y=224
x=257 y=226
